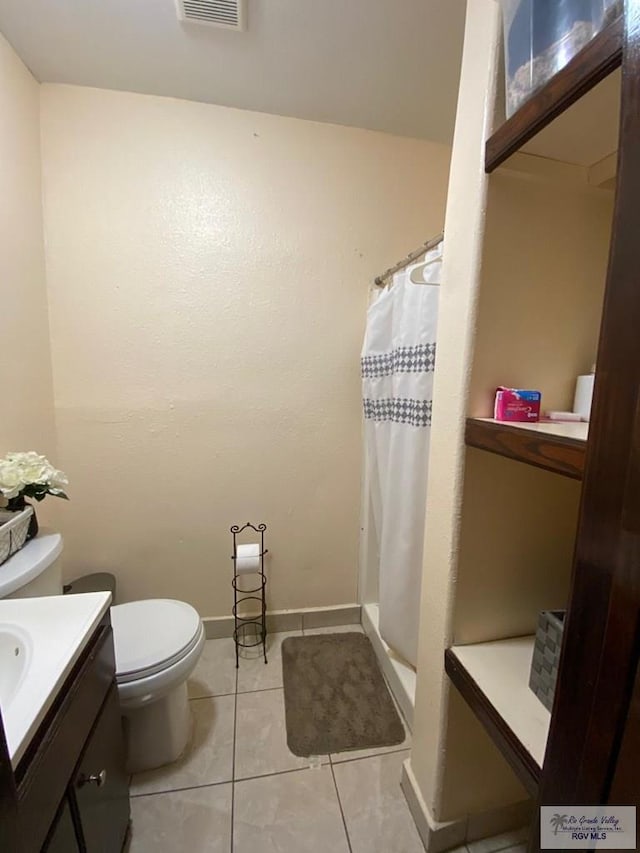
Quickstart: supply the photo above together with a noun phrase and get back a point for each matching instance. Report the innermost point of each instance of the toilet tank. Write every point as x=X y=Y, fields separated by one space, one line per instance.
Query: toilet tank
x=35 y=570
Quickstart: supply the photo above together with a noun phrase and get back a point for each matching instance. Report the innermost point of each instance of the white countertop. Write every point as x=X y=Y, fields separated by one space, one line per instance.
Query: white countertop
x=52 y=632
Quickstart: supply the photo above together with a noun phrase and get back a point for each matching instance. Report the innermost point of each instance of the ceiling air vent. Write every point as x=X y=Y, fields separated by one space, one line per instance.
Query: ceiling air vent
x=231 y=14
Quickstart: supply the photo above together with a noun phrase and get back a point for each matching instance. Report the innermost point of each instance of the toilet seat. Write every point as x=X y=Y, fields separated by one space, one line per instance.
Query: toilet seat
x=152 y=636
x=144 y=691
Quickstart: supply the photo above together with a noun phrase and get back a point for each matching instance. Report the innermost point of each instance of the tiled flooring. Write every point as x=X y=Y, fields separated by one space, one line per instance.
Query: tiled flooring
x=509 y=842
x=239 y=789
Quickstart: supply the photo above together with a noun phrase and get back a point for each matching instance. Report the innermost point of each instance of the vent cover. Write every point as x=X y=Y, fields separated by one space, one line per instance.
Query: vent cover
x=231 y=14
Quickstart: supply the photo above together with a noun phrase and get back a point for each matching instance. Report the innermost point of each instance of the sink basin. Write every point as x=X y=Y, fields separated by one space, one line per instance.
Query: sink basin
x=15 y=653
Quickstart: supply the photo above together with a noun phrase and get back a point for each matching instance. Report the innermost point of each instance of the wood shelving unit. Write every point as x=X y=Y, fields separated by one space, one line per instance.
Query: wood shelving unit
x=595 y=61
x=493 y=678
x=557 y=447
x=586 y=750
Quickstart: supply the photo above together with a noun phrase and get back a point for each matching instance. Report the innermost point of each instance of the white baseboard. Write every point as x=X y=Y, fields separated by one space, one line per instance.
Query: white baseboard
x=505 y=819
x=438 y=837
x=218 y=627
x=435 y=836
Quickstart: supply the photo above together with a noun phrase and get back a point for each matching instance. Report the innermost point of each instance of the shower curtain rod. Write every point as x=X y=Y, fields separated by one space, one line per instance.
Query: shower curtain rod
x=381 y=280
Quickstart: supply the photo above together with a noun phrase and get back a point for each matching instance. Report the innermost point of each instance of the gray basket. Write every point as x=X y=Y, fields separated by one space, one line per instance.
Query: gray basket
x=546 y=656
x=14 y=529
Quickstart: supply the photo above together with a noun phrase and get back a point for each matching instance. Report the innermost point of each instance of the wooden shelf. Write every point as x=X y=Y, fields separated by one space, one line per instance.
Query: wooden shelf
x=601 y=56
x=493 y=678
x=557 y=447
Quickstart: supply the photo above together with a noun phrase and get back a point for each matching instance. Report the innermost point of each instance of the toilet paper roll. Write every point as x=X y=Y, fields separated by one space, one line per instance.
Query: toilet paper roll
x=248 y=558
x=583 y=396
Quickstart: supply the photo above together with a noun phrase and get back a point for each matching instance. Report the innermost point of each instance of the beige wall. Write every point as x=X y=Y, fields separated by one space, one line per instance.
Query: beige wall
x=208 y=272
x=544 y=266
x=26 y=416
x=434 y=753
x=516 y=547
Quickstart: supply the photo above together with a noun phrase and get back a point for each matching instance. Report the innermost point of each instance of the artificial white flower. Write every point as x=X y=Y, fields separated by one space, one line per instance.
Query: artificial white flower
x=31 y=475
x=11 y=482
x=58 y=482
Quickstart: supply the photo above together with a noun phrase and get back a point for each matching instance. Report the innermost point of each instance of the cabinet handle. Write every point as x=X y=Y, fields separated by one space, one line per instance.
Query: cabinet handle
x=97 y=779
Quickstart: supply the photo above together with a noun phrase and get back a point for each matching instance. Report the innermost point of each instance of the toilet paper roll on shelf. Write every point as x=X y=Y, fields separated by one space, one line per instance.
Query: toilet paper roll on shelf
x=248 y=558
x=584 y=396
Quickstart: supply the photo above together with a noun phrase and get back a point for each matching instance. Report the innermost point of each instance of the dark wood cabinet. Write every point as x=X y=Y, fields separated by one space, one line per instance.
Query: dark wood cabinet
x=62 y=838
x=8 y=797
x=69 y=793
x=100 y=785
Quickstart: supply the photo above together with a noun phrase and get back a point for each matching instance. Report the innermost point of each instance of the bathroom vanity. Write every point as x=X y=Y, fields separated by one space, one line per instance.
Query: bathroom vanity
x=63 y=786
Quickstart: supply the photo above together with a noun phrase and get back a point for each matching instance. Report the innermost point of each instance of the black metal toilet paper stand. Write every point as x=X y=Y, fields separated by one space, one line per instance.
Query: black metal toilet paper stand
x=242 y=631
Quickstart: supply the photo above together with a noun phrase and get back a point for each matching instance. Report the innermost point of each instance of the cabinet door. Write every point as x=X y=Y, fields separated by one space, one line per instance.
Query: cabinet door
x=101 y=785
x=62 y=838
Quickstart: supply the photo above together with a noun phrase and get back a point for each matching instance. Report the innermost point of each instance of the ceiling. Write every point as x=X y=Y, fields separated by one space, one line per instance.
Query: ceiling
x=390 y=65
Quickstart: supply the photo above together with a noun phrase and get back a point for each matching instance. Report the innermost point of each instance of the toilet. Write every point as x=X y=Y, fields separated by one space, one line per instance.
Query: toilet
x=158 y=643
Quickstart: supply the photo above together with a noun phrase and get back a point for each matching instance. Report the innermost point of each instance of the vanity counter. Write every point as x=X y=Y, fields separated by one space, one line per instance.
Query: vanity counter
x=41 y=639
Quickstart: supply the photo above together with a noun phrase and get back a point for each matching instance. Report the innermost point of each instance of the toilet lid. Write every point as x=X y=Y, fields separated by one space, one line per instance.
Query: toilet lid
x=151 y=635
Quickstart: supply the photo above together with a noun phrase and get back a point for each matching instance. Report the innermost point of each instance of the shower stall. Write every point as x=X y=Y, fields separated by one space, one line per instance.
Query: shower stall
x=398 y=364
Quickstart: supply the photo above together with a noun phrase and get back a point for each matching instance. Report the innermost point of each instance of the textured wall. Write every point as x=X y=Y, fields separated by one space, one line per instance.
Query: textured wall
x=551 y=296
x=26 y=402
x=457 y=768
x=208 y=272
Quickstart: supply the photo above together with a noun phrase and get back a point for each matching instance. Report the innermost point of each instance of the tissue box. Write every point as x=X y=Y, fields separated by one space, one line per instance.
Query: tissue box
x=516 y=404
x=546 y=656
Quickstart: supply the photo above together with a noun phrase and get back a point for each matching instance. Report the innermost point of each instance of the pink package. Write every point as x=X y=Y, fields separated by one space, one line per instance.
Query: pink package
x=516 y=404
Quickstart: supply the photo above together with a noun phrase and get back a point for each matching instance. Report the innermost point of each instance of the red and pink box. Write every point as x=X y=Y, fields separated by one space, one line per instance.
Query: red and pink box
x=517 y=404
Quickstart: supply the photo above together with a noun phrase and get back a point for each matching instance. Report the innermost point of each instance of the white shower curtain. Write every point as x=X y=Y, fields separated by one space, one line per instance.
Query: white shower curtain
x=398 y=361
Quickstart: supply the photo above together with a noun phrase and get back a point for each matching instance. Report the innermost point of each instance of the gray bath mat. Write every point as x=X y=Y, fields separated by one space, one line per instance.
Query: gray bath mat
x=335 y=696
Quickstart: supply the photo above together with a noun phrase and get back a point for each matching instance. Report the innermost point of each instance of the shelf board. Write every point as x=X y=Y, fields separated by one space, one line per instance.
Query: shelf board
x=601 y=56
x=558 y=447
x=493 y=679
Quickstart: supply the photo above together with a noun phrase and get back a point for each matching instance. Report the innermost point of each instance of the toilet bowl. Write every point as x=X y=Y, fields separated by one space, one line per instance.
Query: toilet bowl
x=157 y=644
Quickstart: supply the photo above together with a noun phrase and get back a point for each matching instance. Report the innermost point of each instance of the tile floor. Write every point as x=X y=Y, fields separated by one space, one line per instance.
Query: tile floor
x=238 y=789
x=509 y=842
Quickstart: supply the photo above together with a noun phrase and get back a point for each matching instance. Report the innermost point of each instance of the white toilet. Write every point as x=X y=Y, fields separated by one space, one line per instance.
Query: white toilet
x=157 y=642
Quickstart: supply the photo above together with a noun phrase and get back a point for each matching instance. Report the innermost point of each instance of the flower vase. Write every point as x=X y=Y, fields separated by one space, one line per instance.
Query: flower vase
x=17 y=505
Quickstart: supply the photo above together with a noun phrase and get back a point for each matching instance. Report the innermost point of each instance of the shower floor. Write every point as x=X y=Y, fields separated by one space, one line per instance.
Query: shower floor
x=399 y=674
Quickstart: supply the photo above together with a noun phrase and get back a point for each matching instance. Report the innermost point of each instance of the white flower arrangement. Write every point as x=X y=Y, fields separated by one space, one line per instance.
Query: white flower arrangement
x=29 y=475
